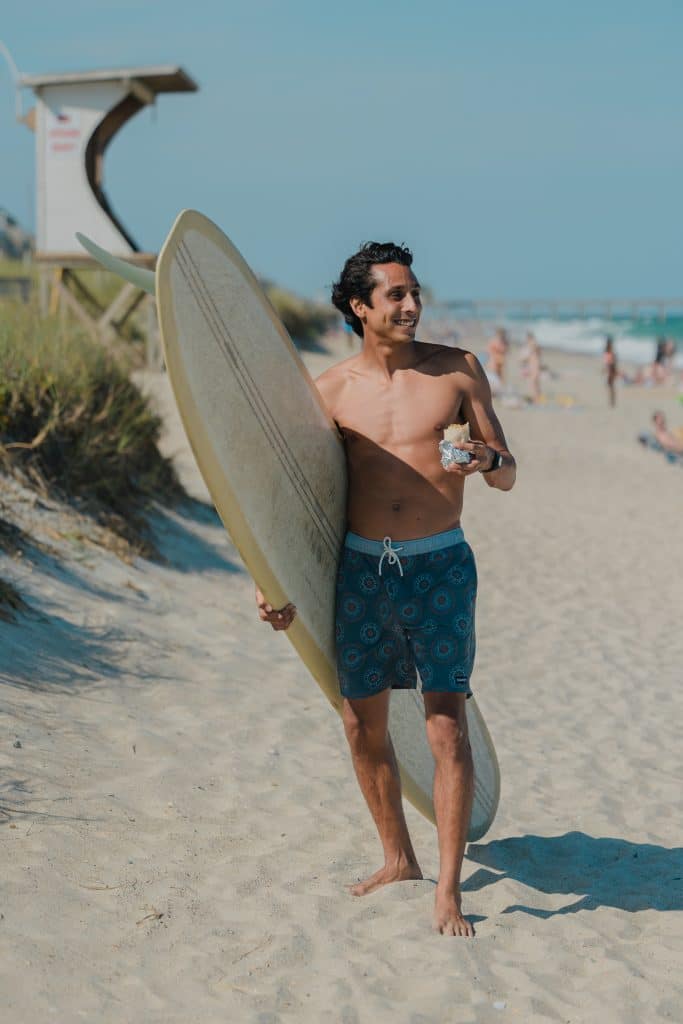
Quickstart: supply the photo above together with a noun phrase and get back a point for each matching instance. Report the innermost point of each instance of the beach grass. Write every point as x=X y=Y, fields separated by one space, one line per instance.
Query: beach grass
x=17 y=268
x=73 y=424
x=305 y=321
x=11 y=601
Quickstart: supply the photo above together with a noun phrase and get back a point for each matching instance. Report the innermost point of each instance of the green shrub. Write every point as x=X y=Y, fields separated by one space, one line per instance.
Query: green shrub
x=73 y=423
x=10 y=601
x=305 y=321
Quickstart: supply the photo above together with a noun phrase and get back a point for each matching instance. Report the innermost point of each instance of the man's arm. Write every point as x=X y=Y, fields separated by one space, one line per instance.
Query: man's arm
x=485 y=429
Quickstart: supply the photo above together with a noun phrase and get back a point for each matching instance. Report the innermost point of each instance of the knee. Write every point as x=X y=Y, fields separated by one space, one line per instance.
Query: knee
x=361 y=733
x=448 y=738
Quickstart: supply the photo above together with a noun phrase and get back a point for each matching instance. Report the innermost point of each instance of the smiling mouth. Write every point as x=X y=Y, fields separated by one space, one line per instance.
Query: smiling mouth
x=406 y=323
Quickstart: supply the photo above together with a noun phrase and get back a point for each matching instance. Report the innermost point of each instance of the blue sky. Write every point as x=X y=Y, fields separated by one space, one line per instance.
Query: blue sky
x=522 y=149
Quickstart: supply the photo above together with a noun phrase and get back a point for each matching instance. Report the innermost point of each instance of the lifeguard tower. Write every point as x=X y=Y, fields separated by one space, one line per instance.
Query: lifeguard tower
x=75 y=118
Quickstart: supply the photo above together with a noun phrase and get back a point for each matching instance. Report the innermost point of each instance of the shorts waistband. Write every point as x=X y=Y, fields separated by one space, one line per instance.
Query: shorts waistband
x=419 y=546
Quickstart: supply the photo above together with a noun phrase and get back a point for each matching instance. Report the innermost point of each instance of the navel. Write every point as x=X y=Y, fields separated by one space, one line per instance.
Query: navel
x=396 y=506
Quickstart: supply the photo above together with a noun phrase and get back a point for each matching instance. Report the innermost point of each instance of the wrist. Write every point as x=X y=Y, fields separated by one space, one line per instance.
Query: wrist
x=496 y=462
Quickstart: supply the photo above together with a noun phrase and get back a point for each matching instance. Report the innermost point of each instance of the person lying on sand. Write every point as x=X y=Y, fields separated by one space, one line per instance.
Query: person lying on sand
x=406 y=587
x=669 y=441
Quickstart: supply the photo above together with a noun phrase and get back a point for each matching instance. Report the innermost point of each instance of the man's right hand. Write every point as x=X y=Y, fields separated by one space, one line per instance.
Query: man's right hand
x=279 y=619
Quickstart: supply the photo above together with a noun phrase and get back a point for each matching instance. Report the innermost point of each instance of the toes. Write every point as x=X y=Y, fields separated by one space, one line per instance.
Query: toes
x=455 y=927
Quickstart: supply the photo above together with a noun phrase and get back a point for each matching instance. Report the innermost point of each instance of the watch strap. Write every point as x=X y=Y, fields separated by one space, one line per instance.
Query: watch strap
x=496 y=464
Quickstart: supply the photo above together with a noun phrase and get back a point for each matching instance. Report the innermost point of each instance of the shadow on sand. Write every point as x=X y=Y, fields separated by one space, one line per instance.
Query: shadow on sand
x=43 y=651
x=48 y=654
x=609 y=872
x=180 y=545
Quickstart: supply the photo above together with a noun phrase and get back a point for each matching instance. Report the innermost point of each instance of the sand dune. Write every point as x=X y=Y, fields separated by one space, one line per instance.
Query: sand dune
x=181 y=817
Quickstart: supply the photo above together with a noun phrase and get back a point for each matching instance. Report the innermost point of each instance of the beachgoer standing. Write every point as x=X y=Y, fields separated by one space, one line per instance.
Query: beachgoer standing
x=610 y=368
x=530 y=359
x=497 y=350
x=406 y=587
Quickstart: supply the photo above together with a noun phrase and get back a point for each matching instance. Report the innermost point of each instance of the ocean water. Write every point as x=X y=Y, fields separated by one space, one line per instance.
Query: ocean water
x=635 y=338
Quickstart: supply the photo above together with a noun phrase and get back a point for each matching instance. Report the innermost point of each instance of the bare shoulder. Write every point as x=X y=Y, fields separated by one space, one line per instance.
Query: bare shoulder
x=449 y=359
x=331 y=382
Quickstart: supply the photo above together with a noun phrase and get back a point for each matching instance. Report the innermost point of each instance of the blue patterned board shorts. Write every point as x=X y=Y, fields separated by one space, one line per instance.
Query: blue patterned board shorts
x=404 y=606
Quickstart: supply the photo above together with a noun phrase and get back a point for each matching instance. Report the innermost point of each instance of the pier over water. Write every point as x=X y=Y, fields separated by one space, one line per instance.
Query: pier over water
x=636 y=308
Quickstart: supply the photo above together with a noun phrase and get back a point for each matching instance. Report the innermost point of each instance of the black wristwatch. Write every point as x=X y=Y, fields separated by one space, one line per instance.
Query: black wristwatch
x=496 y=464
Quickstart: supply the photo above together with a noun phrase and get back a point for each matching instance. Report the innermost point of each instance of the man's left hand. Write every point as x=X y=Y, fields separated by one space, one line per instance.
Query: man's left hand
x=482 y=458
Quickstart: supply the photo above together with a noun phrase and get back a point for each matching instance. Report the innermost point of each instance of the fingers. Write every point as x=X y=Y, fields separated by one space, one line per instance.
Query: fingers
x=279 y=618
x=479 y=453
x=277 y=615
x=466 y=468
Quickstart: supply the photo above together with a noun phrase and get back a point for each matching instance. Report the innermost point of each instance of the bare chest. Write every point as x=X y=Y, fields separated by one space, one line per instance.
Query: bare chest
x=412 y=408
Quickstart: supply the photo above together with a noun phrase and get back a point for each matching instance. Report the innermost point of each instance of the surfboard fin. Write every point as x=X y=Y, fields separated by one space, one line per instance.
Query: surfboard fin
x=138 y=276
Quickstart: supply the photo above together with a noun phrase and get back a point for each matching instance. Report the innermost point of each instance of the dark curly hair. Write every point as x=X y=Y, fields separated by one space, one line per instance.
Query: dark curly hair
x=356 y=282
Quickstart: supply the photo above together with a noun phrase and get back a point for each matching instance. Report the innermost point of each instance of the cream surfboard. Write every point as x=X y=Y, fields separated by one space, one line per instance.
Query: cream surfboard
x=275 y=468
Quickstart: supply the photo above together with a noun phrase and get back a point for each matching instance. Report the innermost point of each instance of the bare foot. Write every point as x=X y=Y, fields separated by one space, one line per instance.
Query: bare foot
x=448 y=918
x=401 y=872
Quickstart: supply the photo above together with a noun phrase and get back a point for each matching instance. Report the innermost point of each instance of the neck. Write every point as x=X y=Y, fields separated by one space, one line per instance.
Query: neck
x=386 y=357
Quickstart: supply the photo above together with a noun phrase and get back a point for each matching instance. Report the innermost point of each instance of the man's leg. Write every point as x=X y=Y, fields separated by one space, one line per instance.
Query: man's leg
x=453 y=793
x=366 y=726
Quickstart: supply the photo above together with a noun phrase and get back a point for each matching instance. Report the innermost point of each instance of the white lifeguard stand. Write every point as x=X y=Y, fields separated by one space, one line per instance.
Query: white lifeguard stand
x=75 y=118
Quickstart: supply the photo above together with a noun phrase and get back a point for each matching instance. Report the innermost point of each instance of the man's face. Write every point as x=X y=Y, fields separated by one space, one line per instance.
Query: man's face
x=396 y=305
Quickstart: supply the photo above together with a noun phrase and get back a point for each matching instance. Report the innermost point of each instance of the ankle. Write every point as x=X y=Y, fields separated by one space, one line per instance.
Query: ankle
x=400 y=859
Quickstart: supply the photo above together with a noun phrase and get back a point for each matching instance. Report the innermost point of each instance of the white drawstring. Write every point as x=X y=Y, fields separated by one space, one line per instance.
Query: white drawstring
x=390 y=554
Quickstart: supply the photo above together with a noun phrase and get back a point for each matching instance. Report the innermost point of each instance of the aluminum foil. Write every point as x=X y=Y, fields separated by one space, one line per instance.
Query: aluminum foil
x=450 y=455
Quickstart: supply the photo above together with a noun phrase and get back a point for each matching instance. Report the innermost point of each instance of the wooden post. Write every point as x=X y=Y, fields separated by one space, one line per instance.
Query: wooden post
x=63 y=292
x=153 y=354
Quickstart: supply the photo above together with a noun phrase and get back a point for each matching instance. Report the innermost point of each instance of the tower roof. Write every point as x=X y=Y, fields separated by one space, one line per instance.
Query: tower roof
x=161 y=78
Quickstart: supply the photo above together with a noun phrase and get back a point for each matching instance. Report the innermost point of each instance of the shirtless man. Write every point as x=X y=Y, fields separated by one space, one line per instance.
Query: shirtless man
x=407 y=582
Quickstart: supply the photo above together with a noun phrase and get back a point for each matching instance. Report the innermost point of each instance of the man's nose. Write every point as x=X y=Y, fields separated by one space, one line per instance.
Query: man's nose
x=410 y=304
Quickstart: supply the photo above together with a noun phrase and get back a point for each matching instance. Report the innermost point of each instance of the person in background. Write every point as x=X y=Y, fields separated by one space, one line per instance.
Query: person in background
x=669 y=357
x=669 y=441
x=661 y=369
x=497 y=349
x=609 y=360
x=530 y=358
x=658 y=369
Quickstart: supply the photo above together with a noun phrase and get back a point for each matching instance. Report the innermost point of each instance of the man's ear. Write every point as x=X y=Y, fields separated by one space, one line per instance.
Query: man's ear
x=357 y=307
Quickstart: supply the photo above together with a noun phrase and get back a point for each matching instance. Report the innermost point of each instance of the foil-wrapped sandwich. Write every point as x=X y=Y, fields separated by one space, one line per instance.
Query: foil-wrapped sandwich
x=455 y=435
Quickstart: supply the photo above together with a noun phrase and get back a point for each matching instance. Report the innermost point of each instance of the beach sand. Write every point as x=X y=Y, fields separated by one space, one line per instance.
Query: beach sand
x=180 y=814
